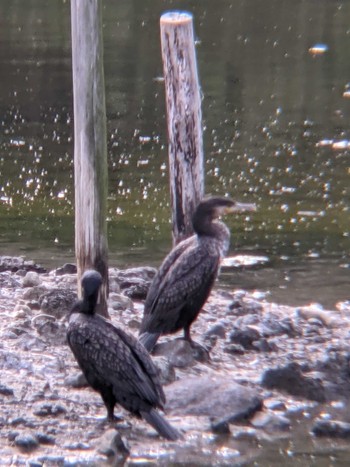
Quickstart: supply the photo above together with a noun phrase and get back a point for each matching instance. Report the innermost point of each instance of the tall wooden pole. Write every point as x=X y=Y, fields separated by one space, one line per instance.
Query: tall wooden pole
x=90 y=146
x=184 y=116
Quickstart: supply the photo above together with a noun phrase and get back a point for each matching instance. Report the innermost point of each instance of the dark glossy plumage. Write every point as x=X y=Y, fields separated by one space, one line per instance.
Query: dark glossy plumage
x=114 y=363
x=186 y=276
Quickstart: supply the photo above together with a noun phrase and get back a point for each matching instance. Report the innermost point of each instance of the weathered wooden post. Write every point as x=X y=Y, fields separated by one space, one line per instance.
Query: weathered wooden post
x=90 y=146
x=184 y=116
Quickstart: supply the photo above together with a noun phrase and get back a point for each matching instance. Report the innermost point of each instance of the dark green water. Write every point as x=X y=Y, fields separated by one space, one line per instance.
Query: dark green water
x=267 y=104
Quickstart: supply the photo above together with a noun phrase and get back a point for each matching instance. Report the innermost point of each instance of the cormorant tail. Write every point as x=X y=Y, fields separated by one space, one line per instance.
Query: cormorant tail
x=159 y=423
x=149 y=340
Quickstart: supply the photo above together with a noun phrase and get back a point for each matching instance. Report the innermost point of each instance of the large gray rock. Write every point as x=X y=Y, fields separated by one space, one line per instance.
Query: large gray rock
x=217 y=397
x=290 y=378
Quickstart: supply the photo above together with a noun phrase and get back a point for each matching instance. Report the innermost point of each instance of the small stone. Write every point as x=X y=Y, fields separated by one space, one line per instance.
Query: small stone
x=67 y=268
x=234 y=349
x=274 y=404
x=291 y=378
x=331 y=428
x=43 y=438
x=244 y=337
x=178 y=351
x=58 y=302
x=166 y=370
x=34 y=463
x=76 y=381
x=5 y=391
x=33 y=293
x=77 y=446
x=26 y=442
x=270 y=421
x=111 y=444
x=46 y=410
x=220 y=427
x=31 y=279
x=218 y=330
x=120 y=302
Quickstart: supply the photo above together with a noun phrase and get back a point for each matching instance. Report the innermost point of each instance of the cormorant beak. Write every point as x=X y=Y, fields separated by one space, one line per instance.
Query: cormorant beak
x=240 y=207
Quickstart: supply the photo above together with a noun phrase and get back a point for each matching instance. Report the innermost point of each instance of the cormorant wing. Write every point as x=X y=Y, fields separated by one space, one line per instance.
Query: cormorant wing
x=186 y=283
x=163 y=270
x=110 y=356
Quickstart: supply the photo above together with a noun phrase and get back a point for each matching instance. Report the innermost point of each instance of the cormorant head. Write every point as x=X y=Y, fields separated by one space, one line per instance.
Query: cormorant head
x=211 y=208
x=91 y=282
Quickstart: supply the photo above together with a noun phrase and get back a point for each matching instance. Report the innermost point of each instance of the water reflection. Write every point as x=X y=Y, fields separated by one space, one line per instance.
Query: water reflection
x=276 y=113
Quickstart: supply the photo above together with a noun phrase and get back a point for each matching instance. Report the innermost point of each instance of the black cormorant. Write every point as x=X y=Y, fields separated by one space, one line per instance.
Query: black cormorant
x=115 y=363
x=186 y=276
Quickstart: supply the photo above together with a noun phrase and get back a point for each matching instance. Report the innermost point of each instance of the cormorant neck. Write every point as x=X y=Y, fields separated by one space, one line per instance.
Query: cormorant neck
x=88 y=304
x=207 y=226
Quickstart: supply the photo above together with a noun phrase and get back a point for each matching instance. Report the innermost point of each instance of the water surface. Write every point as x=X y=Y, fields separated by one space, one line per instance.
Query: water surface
x=276 y=120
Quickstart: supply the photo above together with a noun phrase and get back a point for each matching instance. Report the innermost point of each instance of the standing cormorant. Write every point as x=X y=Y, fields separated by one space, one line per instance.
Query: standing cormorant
x=186 y=276
x=115 y=363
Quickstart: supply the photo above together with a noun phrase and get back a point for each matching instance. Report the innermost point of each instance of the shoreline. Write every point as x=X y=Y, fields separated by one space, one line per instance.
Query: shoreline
x=269 y=366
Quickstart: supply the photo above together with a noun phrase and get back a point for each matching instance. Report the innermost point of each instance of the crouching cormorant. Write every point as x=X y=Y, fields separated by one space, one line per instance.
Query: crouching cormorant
x=186 y=276
x=114 y=363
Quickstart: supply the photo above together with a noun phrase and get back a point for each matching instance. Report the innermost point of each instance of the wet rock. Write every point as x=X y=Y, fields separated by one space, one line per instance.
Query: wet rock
x=135 y=282
x=120 y=302
x=58 y=302
x=146 y=273
x=244 y=337
x=67 y=268
x=235 y=349
x=34 y=463
x=34 y=293
x=8 y=280
x=50 y=410
x=44 y=438
x=218 y=330
x=264 y=345
x=51 y=330
x=217 y=397
x=26 y=442
x=178 y=351
x=315 y=311
x=290 y=378
x=136 y=289
x=241 y=306
x=16 y=263
x=331 y=428
x=270 y=421
x=76 y=446
x=274 y=404
x=111 y=444
x=31 y=279
x=166 y=370
x=6 y=391
x=52 y=460
x=34 y=305
x=22 y=421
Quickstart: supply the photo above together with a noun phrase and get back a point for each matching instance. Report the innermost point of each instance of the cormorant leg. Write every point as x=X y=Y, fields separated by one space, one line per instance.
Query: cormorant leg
x=187 y=336
x=200 y=352
x=109 y=401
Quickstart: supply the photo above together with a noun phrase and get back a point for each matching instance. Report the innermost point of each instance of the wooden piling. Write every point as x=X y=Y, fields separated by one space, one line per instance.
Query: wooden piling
x=90 y=145
x=184 y=117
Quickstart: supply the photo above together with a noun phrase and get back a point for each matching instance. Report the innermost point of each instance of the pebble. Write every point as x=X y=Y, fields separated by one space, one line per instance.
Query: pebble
x=6 y=391
x=48 y=410
x=331 y=428
x=26 y=442
x=76 y=381
x=270 y=421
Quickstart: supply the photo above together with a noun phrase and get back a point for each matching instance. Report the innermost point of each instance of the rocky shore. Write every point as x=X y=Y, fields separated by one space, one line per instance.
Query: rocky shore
x=273 y=371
